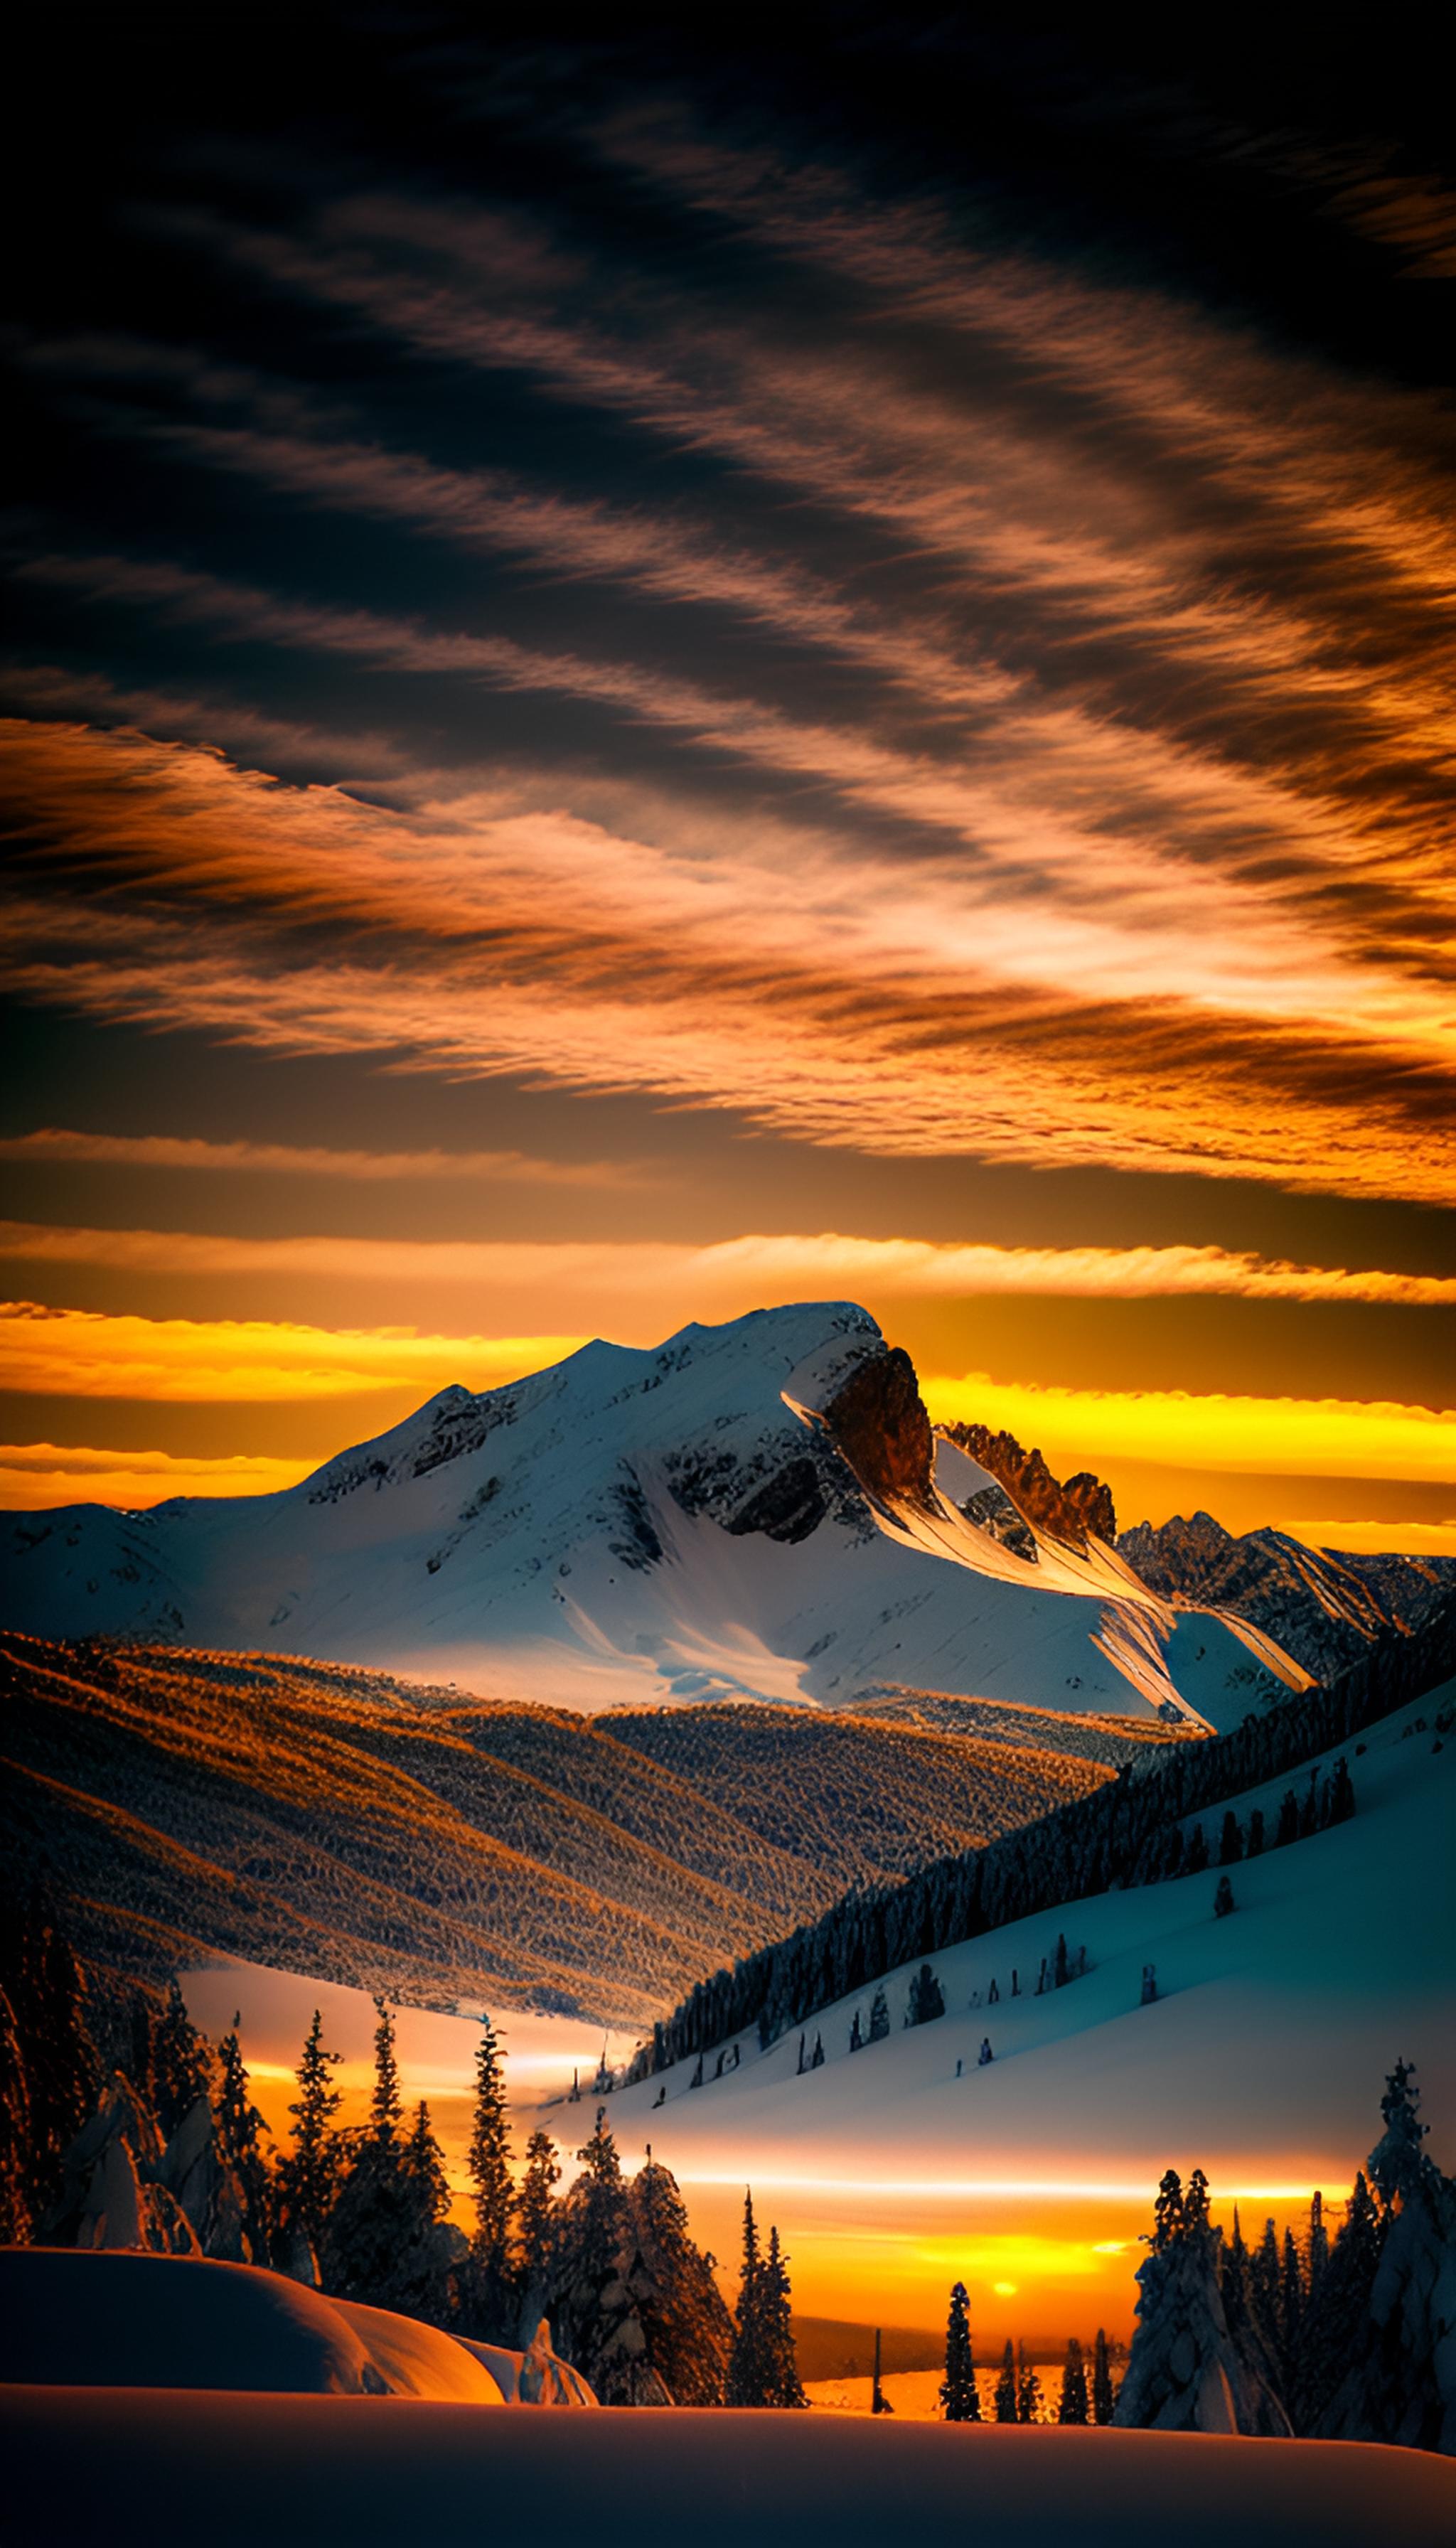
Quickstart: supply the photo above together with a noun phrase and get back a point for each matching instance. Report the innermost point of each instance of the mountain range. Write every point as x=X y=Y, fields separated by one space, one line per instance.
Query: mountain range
x=753 y=1510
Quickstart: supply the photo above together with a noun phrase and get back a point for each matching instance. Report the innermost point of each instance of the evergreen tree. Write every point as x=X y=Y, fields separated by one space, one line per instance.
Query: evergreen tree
x=15 y=2133
x=927 y=1999
x=1103 y=2400
x=1167 y=2210
x=1060 y=1970
x=182 y=2069
x=593 y=2246
x=1288 y=1827
x=1341 y=1802
x=1190 y=2371
x=45 y=1987
x=309 y=2177
x=1338 y=2322
x=782 y=2385
x=1027 y=2394
x=1265 y=2280
x=1073 y=2407
x=857 y=2035
x=1223 y=1898
x=958 y=2396
x=386 y=2110
x=747 y=2362
x=534 y=2213
x=1291 y=2312
x=1006 y=2390
x=1319 y=2251
x=1231 y=1840
x=682 y=2313
x=487 y=2286
x=239 y=2130
x=1402 y=2385
x=880 y=2017
x=1256 y=1833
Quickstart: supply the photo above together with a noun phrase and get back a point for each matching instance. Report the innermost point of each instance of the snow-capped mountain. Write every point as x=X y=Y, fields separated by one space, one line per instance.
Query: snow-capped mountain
x=1325 y=1607
x=757 y=1510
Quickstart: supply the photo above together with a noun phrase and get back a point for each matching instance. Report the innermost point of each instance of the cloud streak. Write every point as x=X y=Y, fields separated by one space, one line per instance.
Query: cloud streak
x=567 y=1278
x=54 y=1146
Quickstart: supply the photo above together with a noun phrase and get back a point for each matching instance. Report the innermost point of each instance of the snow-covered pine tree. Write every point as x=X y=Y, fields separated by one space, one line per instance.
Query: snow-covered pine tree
x=1005 y=2403
x=959 y=2398
x=1223 y=1898
x=1103 y=2394
x=308 y=2175
x=880 y=2017
x=1072 y=2408
x=381 y=2245
x=857 y=2035
x=1402 y=2386
x=182 y=2069
x=1187 y=2373
x=687 y=2324
x=782 y=2385
x=595 y=2230
x=488 y=2287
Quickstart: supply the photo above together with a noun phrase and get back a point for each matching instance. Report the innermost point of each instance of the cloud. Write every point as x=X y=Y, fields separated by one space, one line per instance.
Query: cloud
x=571 y=1280
x=1274 y=1437
x=81 y=1353
x=281 y=1158
x=914 y=1007
x=38 y=1475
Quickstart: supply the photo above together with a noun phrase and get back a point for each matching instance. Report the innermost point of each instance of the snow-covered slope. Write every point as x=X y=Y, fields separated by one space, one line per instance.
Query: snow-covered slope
x=1325 y=1608
x=746 y=1512
x=1265 y=2047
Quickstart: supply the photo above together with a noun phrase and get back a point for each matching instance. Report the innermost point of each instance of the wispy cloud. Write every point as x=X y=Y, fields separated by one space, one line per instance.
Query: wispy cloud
x=36 y=1477
x=912 y=1008
x=81 y=1353
x=571 y=1280
x=52 y=1144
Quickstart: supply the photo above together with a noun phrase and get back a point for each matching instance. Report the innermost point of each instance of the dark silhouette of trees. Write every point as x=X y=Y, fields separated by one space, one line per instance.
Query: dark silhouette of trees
x=1073 y=2407
x=958 y=2396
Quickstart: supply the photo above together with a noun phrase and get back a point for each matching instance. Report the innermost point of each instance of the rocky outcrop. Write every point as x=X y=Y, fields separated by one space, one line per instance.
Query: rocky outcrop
x=876 y=1422
x=1069 y=1513
x=1326 y=1608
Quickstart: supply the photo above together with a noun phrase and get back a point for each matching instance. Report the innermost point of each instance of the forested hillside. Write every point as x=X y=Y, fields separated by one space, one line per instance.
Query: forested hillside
x=337 y=1822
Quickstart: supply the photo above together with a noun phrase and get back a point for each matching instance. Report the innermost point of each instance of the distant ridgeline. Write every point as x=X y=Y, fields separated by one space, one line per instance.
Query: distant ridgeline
x=1126 y=1833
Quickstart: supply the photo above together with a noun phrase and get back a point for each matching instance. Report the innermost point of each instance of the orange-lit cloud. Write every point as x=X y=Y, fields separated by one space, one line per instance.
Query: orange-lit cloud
x=915 y=1008
x=37 y=1476
x=82 y=1353
x=571 y=1280
x=282 y=1158
x=1329 y=1437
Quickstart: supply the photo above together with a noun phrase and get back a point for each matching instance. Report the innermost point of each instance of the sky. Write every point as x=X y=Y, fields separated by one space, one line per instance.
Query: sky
x=649 y=672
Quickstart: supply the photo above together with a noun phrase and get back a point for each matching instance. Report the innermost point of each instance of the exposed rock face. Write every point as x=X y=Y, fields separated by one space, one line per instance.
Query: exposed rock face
x=1066 y=1512
x=1325 y=1609
x=878 y=1421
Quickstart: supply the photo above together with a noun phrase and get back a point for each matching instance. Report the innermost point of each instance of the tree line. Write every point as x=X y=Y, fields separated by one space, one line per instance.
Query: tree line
x=97 y=2074
x=1128 y=1832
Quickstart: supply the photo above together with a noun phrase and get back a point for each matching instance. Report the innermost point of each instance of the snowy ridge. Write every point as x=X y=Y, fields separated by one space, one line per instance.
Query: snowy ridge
x=746 y=1512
